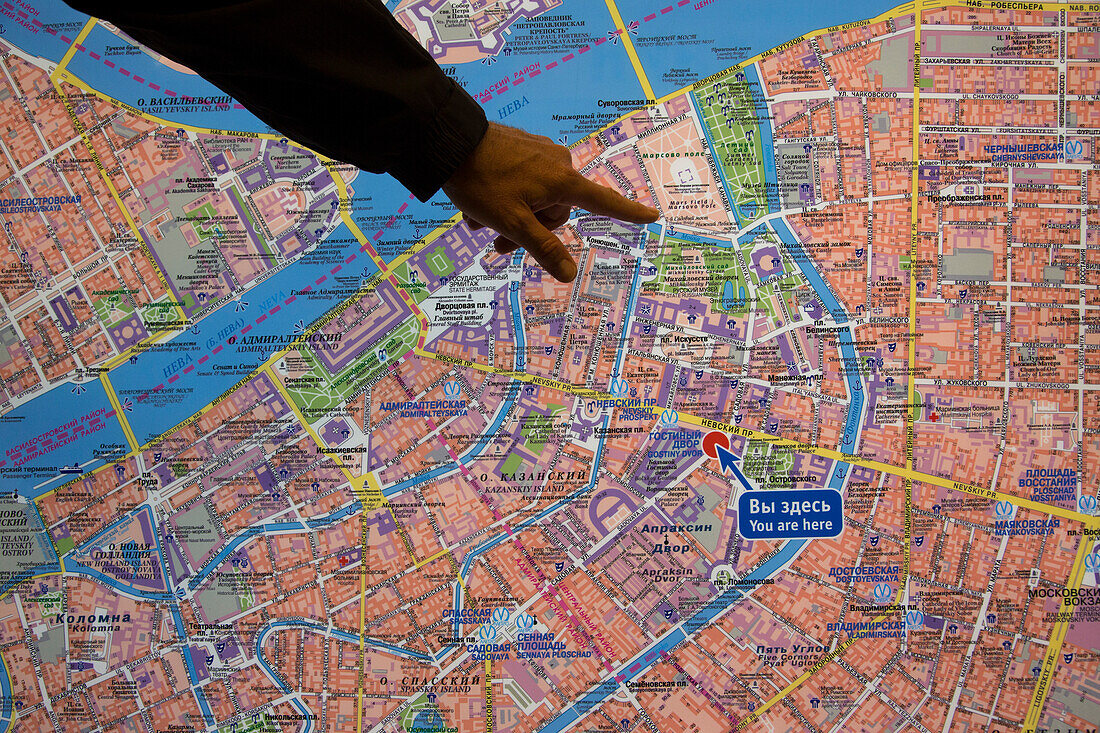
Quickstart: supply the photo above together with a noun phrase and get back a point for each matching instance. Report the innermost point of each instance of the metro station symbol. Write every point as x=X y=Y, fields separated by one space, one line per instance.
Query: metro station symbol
x=914 y=619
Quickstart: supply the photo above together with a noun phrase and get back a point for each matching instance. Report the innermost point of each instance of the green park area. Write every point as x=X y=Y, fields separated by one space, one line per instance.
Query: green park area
x=729 y=118
x=537 y=428
x=50 y=603
x=258 y=723
x=763 y=461
x=439 y=262
x=680 y=275
x=413 y=284
x=64 y=545
x=317 y=392
x=422 y=716
x=692 y=265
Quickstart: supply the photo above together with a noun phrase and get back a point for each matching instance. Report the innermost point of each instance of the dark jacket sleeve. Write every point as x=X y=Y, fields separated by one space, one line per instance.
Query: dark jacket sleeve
x=340 y=76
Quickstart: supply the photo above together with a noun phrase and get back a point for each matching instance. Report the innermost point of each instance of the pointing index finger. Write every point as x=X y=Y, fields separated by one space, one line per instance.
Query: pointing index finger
x=606 y=202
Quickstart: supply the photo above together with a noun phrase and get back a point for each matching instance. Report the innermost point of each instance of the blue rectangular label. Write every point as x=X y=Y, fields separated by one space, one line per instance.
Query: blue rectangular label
x=801 y=514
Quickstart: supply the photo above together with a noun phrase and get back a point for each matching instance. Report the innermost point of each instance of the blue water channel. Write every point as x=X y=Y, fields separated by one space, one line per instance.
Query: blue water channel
x=193 y=389
x=764 y=132
x=518 y=331
x=694 y=237
x=340 y=634
x=274 y=528
x=624 y=331
x=853 y=423
x=5 y=692
x=651 y=655
x=277 y=624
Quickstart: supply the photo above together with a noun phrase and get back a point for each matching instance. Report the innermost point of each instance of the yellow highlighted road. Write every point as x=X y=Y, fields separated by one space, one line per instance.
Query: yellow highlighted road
x=628 y=46
x=914 y=251
x=782 y=442
x=488 y=696
x=79 y=40
x=1057 y=637
x=119 y=412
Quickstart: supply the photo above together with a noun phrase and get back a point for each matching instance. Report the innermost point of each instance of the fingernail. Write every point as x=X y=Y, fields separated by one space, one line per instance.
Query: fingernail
x=567 y=269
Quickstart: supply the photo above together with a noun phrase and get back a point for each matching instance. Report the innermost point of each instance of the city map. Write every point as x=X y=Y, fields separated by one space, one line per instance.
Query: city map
x=284 y=449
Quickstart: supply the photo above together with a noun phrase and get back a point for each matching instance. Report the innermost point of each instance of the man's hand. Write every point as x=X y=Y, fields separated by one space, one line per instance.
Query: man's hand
x=523 y=186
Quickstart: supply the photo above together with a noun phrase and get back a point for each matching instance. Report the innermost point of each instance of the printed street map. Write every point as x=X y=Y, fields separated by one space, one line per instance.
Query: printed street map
x=283 y=449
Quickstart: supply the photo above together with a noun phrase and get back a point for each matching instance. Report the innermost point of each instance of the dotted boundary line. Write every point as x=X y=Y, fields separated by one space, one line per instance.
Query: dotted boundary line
x=127 y=405
x=520 y=77
x=549 y=592
x=484 y=96
x=92 y=54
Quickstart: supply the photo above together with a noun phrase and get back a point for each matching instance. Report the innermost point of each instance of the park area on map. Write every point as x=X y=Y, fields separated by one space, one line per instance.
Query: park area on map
x=284 y=449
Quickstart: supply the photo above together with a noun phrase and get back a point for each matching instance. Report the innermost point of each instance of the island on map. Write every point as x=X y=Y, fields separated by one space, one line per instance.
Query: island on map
x=285 y=449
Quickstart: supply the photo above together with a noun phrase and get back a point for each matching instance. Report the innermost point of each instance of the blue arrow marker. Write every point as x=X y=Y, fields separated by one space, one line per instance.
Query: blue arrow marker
x=727 y=460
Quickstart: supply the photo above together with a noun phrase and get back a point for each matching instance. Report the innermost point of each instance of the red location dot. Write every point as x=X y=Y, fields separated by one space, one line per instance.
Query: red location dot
x=712 y=439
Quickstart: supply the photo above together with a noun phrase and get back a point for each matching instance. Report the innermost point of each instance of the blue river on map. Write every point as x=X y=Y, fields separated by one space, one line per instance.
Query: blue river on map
x=31 y=420
x=278 y=624
x=153 y=367
x=576 y=86
x=844 y=341
x=651 y=655
x=5 y=691
x=149 y=418
x=264 y=530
